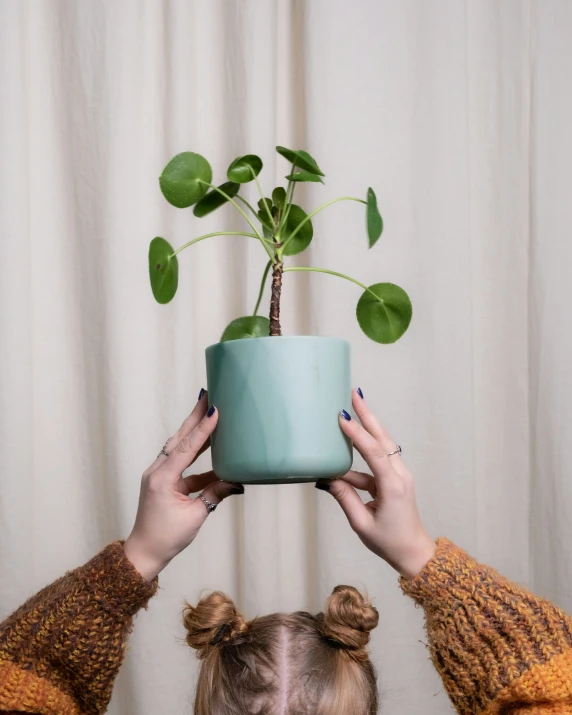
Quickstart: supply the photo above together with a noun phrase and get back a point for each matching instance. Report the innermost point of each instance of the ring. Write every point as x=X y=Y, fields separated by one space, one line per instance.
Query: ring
x=398 y=450
x=210 y=507
x=163 y=449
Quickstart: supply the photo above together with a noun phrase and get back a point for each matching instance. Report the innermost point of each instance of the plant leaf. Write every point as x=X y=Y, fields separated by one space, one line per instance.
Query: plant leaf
x=302 y=239
x=385 y=318
x=265 y=221
x=181 y=179
x=304 y=176
x=250 y=326
x=301 y=158
x=213 y=200
x=374 y=220
x=244 y=169
x=261 y=205
x=163 y=270
x=279 y=197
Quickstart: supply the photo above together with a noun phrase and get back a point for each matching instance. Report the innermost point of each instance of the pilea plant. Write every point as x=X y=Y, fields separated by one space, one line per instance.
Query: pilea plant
x=283 y=229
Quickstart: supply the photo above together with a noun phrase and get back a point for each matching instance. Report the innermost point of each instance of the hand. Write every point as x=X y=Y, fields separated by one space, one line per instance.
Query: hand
x=390 y=524
x=167 y=519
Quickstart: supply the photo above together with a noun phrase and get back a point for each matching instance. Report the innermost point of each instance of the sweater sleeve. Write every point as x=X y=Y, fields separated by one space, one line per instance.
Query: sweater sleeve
x=61 y=650
x=497 y=648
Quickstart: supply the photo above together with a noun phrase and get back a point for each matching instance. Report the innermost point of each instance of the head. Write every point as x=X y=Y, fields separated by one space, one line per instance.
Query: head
x=284 y=664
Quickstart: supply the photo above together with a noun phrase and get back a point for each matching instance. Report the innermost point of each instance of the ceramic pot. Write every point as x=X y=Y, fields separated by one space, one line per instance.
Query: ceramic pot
x=279 y=399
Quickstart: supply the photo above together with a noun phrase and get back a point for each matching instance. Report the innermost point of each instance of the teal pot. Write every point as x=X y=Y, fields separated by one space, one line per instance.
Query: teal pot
x=279 y=399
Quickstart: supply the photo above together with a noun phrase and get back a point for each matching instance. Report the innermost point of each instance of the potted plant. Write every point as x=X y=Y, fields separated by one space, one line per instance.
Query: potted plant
x=278 y=397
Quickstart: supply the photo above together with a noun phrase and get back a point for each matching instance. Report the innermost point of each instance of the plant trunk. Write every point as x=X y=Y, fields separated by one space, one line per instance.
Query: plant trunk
x=275 y=299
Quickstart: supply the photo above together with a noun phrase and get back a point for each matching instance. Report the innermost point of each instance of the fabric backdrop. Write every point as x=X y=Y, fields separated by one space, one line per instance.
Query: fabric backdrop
x=459 y=114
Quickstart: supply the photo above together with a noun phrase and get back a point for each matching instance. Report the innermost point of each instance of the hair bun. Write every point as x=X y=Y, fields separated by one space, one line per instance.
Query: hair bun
x=213 y=621
x=348 y=620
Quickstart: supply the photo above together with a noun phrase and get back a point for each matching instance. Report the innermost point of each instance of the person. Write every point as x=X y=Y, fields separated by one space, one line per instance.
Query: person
x=498 y=648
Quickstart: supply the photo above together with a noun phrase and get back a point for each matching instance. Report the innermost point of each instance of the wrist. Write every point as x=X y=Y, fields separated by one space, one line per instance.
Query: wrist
x=417 y=558
x=148 y=565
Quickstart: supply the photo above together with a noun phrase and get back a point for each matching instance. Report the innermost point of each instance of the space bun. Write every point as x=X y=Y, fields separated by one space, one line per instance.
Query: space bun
x=348 y=620
x=213 y=621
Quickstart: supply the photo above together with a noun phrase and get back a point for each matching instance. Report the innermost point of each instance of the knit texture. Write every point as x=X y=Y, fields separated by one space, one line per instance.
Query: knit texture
x=60 y=652
x=498 y=648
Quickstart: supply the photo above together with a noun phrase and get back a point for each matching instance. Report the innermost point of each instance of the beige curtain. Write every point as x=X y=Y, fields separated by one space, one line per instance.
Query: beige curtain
x=459 y=114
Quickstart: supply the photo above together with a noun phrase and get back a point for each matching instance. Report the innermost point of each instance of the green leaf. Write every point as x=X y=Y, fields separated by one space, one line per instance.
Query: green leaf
x=374 y=220
x=279 y=197
x=304 y=176
x=301 y=158
x=244 y=169
x=302 y=239
x=265 y=221
x=251 y=326
x=163 y=270
x=213 y=200
x=181 y=179
x=261 y=205
x=385 y=318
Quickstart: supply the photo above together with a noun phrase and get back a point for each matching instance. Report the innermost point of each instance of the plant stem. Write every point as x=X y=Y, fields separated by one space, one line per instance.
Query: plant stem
x=262 y=284
x=241 y=212
x=277 y=271
x=334 y=273
x=320 y=208
x=209 y=235
x=245 y=202
x=286 y=207
x=264 y=200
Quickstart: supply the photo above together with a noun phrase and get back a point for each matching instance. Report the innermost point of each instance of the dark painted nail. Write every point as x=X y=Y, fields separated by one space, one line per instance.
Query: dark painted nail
x=360 y=393
x=345 y=415
x=201 y=394
x=237 y=490
x=212 y=410
x=324 y=486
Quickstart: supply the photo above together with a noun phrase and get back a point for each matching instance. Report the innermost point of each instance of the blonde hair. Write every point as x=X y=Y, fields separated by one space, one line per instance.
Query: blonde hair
x=284 y=664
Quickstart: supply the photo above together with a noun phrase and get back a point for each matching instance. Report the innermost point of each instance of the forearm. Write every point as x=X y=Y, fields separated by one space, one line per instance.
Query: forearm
x=490 y=640
x=66 y=643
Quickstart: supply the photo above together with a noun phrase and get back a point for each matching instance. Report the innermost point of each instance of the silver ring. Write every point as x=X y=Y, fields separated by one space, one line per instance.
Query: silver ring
x=398 y=450
x=163 y=449
x=210 y=507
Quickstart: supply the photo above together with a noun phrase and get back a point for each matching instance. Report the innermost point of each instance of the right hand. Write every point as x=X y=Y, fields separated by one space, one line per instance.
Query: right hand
x=389 y=525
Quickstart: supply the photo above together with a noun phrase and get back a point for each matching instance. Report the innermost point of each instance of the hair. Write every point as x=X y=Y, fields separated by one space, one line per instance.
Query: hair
x=284 y=663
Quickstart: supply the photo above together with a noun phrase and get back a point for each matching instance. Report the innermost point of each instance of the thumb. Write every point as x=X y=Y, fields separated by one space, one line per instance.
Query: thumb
x=358 y=515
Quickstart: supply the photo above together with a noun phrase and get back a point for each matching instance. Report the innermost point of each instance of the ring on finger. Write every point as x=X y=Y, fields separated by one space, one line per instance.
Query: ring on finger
x=210 y=507
x=163 y=449
x=397 y=450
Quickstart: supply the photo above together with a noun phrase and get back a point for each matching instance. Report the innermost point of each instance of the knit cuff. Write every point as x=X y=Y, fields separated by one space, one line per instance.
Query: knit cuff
x=115 y=583
x=484 y=631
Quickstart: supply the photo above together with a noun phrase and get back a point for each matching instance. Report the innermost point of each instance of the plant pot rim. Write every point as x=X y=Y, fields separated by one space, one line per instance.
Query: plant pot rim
x=282 y=338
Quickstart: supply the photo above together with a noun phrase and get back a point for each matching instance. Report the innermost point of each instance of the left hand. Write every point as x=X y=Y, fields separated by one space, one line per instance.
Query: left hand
x=167 y=519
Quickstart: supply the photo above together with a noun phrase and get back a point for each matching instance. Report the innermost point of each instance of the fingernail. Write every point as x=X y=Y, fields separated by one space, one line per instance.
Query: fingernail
x=360 y=393
x=212 y=410
x=201 y=394
x=345 y=415
x=324 y=486
x=237 y=490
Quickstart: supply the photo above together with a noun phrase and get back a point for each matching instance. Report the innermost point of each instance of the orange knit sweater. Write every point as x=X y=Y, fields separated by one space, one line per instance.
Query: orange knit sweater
x=497 y=648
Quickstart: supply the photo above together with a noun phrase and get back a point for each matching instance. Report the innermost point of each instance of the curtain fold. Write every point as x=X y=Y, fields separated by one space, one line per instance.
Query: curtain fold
x=457 y=113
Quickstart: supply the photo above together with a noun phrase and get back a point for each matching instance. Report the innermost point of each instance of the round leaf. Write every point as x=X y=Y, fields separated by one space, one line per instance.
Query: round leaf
x=301 y=158
x=244 y=169
x=374 y=220
x=279 y=197
x=163 y=270
x=386 y=317
x=251 y=326
x=213 y=200
x=181 y=179
x=261 y=205
x=304 y=176
x=302 y=239
x=266 y=225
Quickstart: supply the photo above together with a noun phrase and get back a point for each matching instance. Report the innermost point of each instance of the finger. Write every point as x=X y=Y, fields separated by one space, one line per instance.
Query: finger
x=189 y=424
x=371 y=450
x=189 y=446
x=217 y=491
x=196 y=482
x=360 y=480
x=359 y=517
